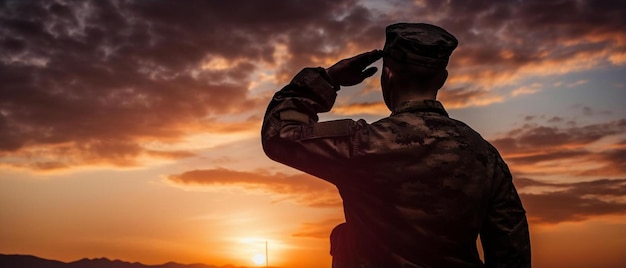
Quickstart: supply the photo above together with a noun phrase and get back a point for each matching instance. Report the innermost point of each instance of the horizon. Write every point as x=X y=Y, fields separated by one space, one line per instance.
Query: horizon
x=123 y=261
x=131 y=129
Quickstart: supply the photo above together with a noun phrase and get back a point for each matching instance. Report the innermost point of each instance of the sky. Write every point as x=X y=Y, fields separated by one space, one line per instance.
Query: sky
x=131 y=129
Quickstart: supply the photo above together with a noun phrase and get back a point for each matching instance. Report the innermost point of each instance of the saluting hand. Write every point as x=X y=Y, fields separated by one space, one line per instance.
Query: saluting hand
x=351 y=71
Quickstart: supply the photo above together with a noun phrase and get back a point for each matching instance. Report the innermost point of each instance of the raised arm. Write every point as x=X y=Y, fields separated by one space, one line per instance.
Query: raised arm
x=291 y=133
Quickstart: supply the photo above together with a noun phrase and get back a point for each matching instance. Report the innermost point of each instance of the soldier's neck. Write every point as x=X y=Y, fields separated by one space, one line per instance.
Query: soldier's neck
x=402 y=97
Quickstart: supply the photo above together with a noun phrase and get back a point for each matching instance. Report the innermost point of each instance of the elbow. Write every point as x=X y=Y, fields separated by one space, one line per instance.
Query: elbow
x=275 y=144
x=268 y=137
x=280 y=149
x=268 y=149
x=280 y=144
x=272 y=147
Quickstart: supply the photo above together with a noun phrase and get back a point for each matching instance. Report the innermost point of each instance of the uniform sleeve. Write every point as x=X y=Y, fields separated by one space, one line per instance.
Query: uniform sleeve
x=292 y=135
x=504 y=234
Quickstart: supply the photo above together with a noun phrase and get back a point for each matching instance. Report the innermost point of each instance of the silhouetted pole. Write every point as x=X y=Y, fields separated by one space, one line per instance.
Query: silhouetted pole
x=266 y=255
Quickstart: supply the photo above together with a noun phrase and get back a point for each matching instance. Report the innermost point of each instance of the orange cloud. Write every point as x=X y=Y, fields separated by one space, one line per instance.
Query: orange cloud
x=126 y=148
x=47 y=158
x=213 y=125
x=361 y=108
x=572 y=201
x=460 y=98
x=303 y=189
x=320 y=230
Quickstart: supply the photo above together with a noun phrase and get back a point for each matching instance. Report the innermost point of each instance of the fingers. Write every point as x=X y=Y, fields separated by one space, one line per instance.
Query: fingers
x=351 y=71
x=367 y=58
x=369 y=72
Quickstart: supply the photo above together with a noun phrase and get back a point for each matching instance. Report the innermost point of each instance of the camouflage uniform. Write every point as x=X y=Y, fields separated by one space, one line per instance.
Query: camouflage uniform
x=417 y=187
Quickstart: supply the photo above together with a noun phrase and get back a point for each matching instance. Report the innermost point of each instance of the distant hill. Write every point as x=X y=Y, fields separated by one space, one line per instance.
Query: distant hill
x=28 y=261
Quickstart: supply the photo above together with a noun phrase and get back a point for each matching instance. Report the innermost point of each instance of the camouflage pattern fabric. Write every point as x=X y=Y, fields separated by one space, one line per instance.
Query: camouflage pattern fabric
x=418 y=187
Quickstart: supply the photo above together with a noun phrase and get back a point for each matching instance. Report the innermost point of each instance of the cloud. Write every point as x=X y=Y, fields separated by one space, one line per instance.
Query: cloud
x=82 y=76
x=320 y=230
x=590 y=150
x=91 y=74
x=361 y=108
x=302 y=188
x=577 y=83
x=559 y=151
x=561 y=202
x=456 y=98
x=93 y=153
x=525 y=90
x=96 y=79
x=503 y=42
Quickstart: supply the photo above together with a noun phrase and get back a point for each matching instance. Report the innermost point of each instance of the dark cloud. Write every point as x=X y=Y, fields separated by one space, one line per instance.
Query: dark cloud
x=301 y=188
x=532 y=145
x=529 y=29
x=79 y=76
x=107 y=74
x=529 y=117
x=501 y=40
x=532 y=137
x=613 y=160
x=555 y=119
x=572 y=201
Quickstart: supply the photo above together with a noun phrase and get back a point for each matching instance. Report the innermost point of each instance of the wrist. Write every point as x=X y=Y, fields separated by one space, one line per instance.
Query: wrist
x=326 y=76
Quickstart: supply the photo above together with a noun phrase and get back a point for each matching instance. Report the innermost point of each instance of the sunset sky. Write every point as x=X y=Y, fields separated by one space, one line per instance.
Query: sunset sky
x=130 y=129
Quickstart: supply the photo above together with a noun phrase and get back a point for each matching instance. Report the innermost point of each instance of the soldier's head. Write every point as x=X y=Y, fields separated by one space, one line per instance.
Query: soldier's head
x=415 y=60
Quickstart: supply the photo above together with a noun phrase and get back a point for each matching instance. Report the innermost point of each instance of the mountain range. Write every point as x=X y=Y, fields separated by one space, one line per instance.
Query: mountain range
x=29 y=261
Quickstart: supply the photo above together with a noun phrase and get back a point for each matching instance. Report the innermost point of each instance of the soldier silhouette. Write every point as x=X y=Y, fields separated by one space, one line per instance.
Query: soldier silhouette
x=418 y=187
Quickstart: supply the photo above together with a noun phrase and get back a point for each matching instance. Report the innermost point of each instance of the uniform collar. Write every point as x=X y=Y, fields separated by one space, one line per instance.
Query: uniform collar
x=432 y=106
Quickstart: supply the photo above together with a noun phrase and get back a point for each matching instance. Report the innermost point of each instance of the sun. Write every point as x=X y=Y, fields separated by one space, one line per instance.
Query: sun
x=258 y=259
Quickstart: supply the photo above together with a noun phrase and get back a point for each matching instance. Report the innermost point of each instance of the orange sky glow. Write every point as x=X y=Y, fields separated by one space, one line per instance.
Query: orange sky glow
x=130 y=129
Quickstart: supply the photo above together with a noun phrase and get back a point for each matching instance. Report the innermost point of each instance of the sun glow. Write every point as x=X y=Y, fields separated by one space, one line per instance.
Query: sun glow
x=257 y=248
x=258 y=259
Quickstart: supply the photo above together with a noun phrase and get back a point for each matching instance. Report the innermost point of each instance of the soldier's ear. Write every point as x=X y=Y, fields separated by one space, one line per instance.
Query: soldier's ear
x=440 y=79
x=386 y=79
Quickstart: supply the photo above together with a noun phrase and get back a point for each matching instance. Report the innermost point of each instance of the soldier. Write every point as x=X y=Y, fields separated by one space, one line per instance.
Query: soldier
x=418 y=187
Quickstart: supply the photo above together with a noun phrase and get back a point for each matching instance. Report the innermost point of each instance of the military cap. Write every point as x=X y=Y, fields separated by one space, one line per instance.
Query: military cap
x=419 y=43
